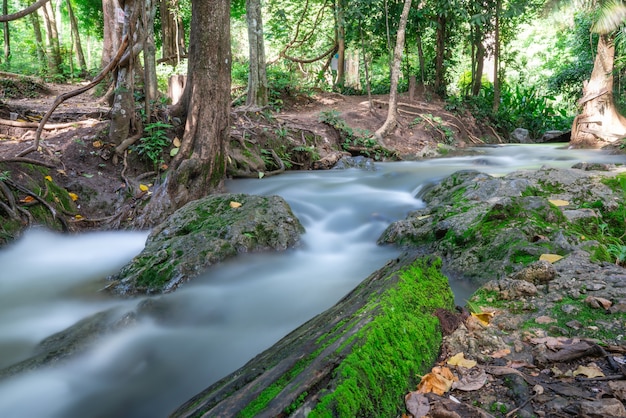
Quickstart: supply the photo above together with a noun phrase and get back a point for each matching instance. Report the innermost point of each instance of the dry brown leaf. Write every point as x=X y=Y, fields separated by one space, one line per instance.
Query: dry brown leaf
x=176 y=142
x=460 y=360
x=417 y=404
x=591 y=370
x=97 y=144
x=27 y=199
x=471 y=382
x=438 y=381
x=501 y=353
x=235 y=205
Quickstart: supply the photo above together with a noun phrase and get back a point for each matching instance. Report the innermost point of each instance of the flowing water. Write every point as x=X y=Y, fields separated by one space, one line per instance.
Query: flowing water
x=222 y=319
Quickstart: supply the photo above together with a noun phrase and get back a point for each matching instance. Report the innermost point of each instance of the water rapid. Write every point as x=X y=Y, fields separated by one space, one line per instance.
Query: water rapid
x=223 y=318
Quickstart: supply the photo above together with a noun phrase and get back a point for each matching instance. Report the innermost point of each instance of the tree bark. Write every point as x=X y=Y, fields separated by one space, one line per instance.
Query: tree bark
x=7 y=37
x=599 y=120
x=440 y=71
x=149 y=57
x=172 y=32
x=199 y=167
x=392 y=118
x=257 y=77
x=30 y=9
x=341 y=43
x=52 y=39
x=112 y=30
x=496 y=59
x=74 y=28
x=41 y=54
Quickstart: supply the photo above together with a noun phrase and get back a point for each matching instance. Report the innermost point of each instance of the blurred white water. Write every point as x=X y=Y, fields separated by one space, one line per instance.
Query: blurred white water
x=222 y=319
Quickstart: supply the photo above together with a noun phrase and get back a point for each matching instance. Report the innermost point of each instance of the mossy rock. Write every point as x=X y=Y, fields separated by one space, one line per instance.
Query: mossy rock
x=358 y=358
x=205 y=232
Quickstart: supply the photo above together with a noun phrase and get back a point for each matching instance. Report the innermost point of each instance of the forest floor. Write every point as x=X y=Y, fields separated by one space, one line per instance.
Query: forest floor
x=79 y=159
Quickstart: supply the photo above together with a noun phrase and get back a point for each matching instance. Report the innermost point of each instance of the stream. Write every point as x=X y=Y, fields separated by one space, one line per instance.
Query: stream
x=223 y=318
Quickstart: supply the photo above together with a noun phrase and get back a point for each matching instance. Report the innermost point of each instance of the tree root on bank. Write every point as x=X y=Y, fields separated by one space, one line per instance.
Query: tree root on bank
x=280 y=170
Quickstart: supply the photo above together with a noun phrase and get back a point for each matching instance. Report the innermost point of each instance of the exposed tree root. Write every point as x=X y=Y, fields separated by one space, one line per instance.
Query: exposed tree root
x=50 y=126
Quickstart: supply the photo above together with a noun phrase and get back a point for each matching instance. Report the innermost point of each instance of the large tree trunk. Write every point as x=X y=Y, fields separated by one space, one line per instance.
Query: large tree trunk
x=496 y=59
x=7 y=37
x=257 y=77
x=198 y=168
x=392 y=118
x=599 y=120
x=341 y=44
x=172 y=34
x=112 y=30
x=326 y=366
x=149 y=57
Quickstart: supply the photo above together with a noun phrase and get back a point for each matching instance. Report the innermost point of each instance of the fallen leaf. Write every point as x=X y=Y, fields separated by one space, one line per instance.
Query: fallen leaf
x=78 y=217
x=551 y=258
x=591 y=370
x=73 y=196
x=143 y=188
x=62 y=172
x=423 y=217
x=558 y=202
x=177 y=142
x=261 y=174
x=48 y=178
x=27 y=199
x=88 y=175
x=164 y=166
x=471 y=382
x=460 y=360
x=483 y=317
x=235 y=205
x=174 y=151
x=417 y=404
x=438 y=381
x=501 y=353
x=97 y=144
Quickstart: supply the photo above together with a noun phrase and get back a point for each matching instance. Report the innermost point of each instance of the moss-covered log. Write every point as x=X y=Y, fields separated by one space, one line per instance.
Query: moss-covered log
x=358 y=358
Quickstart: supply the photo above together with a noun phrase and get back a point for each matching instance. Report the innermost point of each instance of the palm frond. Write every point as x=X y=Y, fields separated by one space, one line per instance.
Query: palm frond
x=611 y=14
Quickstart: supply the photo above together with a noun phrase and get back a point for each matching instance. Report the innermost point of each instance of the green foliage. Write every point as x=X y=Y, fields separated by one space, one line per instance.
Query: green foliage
x=154 y=143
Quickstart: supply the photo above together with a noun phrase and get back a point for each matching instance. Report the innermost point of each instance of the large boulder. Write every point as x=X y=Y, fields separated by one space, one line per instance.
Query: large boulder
x=487 y=227
x=203 y=233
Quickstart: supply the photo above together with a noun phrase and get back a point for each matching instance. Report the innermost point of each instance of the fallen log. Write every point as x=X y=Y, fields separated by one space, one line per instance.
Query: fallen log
x=358 y=358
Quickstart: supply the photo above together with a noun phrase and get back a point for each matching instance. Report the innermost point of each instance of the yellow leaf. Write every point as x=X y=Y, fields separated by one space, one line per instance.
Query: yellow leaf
x=143 y=188
x=78 y=217
x=48 y=178
x=438 y=381
x=590 y=370
x=551 y=258
x=235 y=205
x=62 y=172
x=558 y=202
x=176 y=142
x=73 y=196
x=96 y=144
x=483 y=317
x=460 y=360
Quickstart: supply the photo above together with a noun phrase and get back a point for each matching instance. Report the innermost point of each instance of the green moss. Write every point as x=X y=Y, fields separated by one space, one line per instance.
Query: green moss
x=401 y=342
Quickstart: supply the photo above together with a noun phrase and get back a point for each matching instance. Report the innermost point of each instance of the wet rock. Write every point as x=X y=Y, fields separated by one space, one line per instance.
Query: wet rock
x=521 y=136
x=509 y=289
x=205 y=232
x=539 y=272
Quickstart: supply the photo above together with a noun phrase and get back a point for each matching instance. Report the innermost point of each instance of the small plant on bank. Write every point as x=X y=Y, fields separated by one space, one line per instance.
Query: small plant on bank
x=154 y=143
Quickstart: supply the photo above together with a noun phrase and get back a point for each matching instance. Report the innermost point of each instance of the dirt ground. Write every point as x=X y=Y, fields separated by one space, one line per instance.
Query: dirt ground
x=82 y=161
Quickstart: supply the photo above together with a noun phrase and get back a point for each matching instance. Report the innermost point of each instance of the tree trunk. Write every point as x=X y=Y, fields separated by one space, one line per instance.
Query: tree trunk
x=340 y=25
x=149 y=57
x=478 y=61
x=199 y=167
x=52 y=39
x=172 y=33
x=257 y=77
x=599 y=120
x=123 y=108
x=113 y=25
x=496 y=59
x=7 y=37
x=420 y=57
x=41 y=54
x=392 y=120
x=307 y=370
x=74 y=28
x=440 y=71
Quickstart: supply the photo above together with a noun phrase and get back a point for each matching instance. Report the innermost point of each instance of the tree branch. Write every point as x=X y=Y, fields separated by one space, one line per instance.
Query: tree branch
x=23 y=12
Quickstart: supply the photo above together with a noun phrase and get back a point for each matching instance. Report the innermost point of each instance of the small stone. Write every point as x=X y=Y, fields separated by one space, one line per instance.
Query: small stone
x=570 y=309
x=596 y=286
x=619 y=389
x=598 y=303
x=544 y=320
x=539 y=272
x=574 y=324
x=603 y=408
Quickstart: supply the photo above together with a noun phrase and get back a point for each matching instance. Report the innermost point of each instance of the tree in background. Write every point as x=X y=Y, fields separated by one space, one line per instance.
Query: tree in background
x=599 y=118
x=257 y=96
